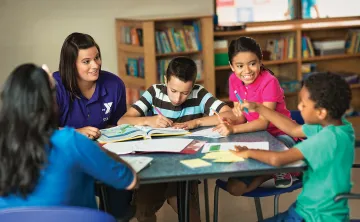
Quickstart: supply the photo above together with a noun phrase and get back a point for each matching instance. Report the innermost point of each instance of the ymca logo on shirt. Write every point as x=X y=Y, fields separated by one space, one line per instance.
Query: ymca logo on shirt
x=107 y=107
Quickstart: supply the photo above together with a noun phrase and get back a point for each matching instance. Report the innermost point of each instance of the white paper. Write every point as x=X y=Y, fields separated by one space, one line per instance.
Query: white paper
x=137 y=162
x=162 y=145
x=206 y=133
x=230 y=146
x=175 y=145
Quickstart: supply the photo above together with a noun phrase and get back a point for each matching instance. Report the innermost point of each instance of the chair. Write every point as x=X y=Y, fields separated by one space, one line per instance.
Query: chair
x=54 y=214
x=256 y=194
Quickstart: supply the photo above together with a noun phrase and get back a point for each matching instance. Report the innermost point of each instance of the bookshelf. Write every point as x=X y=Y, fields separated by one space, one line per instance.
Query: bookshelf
x=290 y=68
x=145 y=45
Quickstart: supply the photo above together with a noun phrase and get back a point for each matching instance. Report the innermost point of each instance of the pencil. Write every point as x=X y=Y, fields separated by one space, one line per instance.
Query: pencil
x=157 y=110
x=240 y=100
x=220 y=118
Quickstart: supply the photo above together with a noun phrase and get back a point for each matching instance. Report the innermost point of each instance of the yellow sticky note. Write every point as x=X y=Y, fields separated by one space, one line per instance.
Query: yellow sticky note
x=195 y=163
x=222 y=157
x=215 y=155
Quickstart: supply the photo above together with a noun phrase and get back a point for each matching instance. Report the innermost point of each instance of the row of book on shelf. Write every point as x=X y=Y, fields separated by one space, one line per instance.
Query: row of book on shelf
x=349 y=45
x=280 y=48
x=186 y=38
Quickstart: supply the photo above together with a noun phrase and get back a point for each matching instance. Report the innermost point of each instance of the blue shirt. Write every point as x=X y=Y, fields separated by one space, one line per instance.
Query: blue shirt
x=306 y=7
x=68 y=178
x=105 y=107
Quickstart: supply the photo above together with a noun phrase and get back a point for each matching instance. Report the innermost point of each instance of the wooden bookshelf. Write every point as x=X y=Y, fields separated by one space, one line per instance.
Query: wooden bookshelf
x=317 y=30
x=145 y=47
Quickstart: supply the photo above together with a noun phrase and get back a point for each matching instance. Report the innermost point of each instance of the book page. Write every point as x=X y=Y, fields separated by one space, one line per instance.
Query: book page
x=120 y=148
x=175 y=145
x=120 y=133
x=162 y=131
x=214 y=147
x=206 y=133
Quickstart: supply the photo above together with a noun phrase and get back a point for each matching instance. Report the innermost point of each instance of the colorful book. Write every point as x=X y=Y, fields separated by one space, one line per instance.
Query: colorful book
x=129 y=132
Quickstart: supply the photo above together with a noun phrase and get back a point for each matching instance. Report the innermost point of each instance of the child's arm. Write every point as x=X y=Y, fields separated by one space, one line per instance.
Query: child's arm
x=132 y=116
x=317 y=11
x=225 y=112
x=270 y=157
x=282 y=122
x=260 y=124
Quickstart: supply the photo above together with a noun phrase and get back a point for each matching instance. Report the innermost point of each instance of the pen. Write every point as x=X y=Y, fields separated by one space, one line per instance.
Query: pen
x=240 y=101
x=157 y=110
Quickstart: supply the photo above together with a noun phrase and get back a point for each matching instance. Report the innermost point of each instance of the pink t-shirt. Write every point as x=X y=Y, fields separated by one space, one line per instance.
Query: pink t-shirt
x=265 y=88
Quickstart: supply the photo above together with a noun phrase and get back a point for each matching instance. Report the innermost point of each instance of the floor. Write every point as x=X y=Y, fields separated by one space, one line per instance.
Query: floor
x=234 y=209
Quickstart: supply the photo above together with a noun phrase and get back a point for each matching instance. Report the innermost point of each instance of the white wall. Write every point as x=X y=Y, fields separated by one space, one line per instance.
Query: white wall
x=34 y=30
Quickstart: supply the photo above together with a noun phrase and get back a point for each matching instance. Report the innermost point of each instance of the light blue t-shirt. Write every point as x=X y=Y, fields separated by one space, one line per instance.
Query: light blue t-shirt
x=306 y=7
x=74 y=162
x=329 y=154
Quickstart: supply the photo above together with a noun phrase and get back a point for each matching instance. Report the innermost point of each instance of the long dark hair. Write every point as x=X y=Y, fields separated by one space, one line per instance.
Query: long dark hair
x=27 y=119
x=68 y=55
x=246 y=44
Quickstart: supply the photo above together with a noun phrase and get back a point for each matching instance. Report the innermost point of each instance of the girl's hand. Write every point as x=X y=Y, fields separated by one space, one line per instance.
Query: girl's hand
x=188 y=125
x=237 y=110
x=90 y=132
x=251 y=106
x=240 y=151
x=224 y=129
x=159 y=121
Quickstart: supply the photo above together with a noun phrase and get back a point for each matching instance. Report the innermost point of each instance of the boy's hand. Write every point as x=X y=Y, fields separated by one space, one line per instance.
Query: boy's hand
x=251 y=106
x=159 y=121
x=188 y=125
x=90 y=132
x=224 y=129
x=240 y=151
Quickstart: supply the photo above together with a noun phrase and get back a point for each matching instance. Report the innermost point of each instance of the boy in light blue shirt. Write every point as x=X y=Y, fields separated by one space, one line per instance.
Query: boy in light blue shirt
x=328 y=150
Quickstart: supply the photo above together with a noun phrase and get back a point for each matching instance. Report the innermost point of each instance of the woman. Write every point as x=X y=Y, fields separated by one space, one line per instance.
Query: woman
x=90 y=99
x=41 y=165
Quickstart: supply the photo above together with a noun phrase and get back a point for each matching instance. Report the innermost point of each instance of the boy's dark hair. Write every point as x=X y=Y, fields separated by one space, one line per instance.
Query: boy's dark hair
x=246 y=44
x=329 y=91
x=182 y=68
x=68 y=55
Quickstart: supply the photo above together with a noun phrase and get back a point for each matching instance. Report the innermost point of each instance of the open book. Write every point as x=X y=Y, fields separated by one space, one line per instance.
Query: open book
x=129 y=132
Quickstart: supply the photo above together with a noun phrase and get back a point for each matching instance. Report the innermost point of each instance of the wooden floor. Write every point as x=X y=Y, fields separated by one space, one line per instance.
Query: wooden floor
x=235 y=209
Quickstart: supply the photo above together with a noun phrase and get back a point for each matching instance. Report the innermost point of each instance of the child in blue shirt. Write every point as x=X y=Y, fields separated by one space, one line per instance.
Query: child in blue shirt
x=328 y=150
x=41 y=165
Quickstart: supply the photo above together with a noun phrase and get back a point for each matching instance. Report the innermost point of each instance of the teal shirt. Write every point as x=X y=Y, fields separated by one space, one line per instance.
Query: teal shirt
x=329 y=154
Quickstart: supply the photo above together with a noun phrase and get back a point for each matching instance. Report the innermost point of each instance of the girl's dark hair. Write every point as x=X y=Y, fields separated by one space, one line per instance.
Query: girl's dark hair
x=27 y=119
x=182 y=68
x=246 y=44
x=69 y=53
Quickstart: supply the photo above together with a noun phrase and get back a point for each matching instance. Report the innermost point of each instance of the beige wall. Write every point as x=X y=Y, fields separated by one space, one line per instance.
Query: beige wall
x=34 y=30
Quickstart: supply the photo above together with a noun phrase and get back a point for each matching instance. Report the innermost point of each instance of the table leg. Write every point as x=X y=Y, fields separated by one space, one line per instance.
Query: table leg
x=206 y=194
x=180 y=201
x=187 y=201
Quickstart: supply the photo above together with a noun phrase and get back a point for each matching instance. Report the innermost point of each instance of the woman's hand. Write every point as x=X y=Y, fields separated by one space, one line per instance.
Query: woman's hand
x=90 y=132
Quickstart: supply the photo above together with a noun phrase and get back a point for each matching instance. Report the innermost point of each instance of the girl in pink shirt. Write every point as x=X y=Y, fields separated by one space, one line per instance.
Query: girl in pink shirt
x=253 y=82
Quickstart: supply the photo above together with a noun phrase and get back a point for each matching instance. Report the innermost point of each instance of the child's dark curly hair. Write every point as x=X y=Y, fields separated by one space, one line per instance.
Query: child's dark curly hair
x=329 y=91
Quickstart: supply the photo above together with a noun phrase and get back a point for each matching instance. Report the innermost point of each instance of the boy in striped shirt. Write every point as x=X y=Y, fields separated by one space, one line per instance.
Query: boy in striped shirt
x=179 y=103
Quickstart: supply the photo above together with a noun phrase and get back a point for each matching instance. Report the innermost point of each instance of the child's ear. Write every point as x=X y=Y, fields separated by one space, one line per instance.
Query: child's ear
x=322 y=113
x=232 y=68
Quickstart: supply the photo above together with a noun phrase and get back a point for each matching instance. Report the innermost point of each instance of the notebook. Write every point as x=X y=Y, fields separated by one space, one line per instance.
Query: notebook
x=137 y=162
x=129 y=132
x=215 y=147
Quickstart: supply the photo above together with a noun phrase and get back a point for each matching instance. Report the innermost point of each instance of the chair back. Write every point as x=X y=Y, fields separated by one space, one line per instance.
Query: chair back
x=54 y=214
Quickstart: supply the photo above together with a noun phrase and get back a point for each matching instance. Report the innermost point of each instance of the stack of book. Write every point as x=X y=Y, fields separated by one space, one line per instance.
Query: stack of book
x=131 y=35
x=135 y=67
x=283 y=48
x=353 y=41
